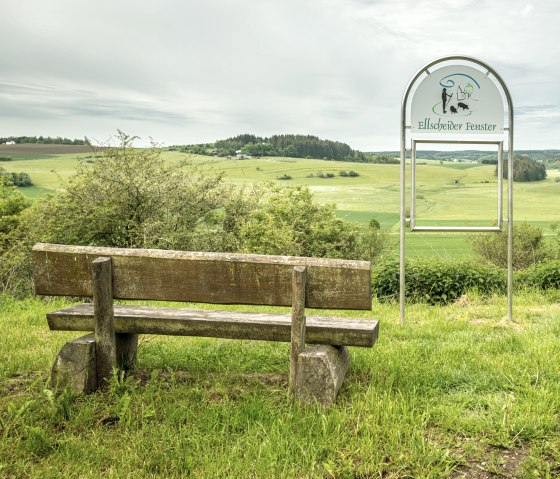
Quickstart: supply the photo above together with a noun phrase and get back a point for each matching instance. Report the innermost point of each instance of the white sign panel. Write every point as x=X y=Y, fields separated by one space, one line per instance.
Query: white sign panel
x=457 y=100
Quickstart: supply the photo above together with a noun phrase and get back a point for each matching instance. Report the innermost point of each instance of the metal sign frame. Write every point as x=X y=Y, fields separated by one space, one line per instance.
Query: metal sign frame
x=500 y=143
x=500 y=195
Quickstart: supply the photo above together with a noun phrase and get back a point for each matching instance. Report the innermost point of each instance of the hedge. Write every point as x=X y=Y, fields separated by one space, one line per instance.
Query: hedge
x=440 y=282
x=436 y=281
x=541 y=276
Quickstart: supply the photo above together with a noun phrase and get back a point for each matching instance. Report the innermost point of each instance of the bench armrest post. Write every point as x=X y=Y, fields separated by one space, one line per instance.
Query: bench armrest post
x=105 y=342
x=299 y=280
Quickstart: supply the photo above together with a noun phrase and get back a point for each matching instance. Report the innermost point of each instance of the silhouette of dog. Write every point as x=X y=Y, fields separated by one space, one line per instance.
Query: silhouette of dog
x=462 y=105
x=453 y=109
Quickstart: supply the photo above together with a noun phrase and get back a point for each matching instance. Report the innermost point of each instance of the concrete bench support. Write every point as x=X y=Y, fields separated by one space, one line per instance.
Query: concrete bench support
x=320 y=373
x=76 y=363
x=76 y=366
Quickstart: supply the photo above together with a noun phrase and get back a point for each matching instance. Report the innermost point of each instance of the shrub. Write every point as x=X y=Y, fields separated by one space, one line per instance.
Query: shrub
x=435 y=282
x=16 y=179
x=542 y=276
x=285 y=177
x=528 y=240
x=376 y=243
x=374 y=224
x=287 y=221
x=130 y=198
x=14 y=261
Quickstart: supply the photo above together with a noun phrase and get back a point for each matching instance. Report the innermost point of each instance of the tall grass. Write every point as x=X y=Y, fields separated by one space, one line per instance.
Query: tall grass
x=453 y=391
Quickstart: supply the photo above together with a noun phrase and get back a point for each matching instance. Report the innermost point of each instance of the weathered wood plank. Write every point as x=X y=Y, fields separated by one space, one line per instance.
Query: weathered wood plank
x=203 y=277
x=105 y=343
x=219 y=324
x=299 y=277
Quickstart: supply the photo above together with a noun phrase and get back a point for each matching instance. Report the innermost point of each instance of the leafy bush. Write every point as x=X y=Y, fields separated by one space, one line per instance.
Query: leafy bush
x=16 y=179
x=287 y=221
x=529 y=247
x=542 y=276
x=130 y=198
x=435 y=282
x=376 y=243
x=14 y=262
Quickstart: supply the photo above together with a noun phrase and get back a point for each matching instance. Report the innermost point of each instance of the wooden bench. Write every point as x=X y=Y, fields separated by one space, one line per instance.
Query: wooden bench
x=316 y=371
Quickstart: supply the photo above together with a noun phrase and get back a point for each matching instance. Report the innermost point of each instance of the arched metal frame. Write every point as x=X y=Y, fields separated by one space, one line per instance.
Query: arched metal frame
x=404 y=104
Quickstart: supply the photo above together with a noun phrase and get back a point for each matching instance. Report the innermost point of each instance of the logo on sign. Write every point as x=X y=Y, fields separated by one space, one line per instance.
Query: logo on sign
x=457 y=100
x=458 y=95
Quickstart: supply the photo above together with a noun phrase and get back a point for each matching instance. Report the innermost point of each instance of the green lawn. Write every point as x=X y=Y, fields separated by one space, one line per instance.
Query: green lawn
x=456 y=392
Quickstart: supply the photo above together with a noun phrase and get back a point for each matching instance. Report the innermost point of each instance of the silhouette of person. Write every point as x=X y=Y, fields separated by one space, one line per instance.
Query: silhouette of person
x=445 y=98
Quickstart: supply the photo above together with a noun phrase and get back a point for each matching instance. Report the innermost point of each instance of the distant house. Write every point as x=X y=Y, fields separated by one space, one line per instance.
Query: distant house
x=241 y=156
x=10 y=143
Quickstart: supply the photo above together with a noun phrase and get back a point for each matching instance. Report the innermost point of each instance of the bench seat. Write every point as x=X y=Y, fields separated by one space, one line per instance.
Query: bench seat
x=219 y=324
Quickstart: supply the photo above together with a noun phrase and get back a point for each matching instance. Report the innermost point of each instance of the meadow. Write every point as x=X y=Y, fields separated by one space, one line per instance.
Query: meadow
x=448 y=193
x=454 y=393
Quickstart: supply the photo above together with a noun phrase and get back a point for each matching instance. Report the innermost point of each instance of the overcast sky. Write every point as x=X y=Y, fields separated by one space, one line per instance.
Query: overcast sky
x=190 y=71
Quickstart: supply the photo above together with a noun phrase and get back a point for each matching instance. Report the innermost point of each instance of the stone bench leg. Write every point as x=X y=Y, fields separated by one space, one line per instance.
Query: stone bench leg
x=320 y=373
x=76 y=364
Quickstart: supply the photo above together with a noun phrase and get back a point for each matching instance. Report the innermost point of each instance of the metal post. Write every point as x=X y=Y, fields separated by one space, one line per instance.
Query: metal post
x=510 y=214
x=412 y=221
x=402 y=284
x=500 y=185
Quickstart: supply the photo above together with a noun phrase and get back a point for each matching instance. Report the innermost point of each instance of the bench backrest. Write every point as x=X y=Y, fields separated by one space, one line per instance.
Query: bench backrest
x=221 y=278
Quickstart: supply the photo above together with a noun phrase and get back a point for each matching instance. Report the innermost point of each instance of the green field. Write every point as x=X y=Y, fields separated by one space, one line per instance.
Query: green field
x=455 y=393
x=448 y=193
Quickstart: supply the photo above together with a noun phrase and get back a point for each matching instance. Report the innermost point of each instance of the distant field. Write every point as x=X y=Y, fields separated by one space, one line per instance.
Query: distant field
x=47 y=165
x=447 y=193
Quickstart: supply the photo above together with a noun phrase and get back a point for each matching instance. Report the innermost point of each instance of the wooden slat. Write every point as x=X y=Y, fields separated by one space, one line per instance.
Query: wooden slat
x=105 y=341
x=220 y=278
x=219 y=324
x=299 y=279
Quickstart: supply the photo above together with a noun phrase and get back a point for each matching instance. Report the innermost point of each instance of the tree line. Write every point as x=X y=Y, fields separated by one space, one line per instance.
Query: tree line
x=43 y=140
x=524 y=169
x=292 y=146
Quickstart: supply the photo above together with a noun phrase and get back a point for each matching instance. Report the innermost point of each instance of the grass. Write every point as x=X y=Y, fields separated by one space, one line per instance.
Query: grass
x=373 y=194
x=455 y=392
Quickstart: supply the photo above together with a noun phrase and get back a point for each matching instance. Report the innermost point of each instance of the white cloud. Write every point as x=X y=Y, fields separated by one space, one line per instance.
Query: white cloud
x=527 y=9
x=200 y=70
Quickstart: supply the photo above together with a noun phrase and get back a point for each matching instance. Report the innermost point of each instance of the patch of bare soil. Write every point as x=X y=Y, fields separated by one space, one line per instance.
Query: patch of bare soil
x=17 y=382
x=494 y=463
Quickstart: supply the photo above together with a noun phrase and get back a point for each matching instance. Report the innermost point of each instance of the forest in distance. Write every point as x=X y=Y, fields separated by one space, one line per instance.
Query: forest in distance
x=296 y=146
